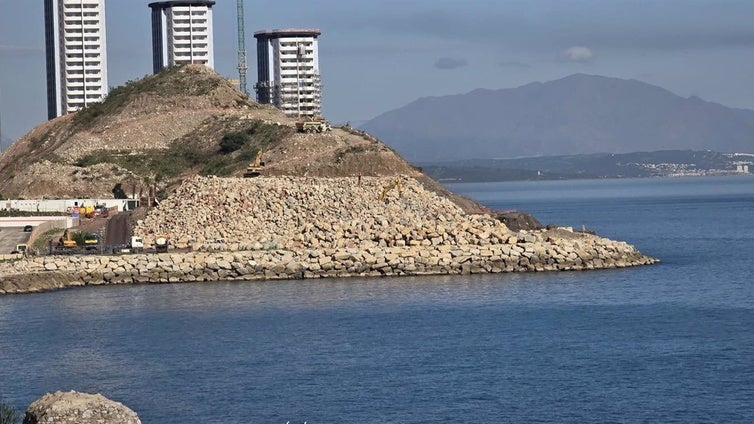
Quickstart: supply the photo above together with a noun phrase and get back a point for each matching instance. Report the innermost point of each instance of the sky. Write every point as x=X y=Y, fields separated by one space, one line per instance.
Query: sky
x=380 y=55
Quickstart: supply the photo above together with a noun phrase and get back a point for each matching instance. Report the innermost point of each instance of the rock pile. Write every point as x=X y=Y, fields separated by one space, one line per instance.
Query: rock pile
x=305 y=213
x=78 y=408
x=278 y=228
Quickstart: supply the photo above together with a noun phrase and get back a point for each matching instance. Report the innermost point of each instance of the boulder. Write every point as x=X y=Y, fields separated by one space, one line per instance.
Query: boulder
x=78 y=408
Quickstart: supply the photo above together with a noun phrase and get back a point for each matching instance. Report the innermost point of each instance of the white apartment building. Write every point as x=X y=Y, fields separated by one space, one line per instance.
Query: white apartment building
x=76 y=54
x=182 y=33
x=288 y=70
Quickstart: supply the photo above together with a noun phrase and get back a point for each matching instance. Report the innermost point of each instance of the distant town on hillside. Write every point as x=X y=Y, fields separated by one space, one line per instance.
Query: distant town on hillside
x=671 y=163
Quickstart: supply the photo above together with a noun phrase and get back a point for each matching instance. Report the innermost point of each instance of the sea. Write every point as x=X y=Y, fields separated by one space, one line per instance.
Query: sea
x=667 y=343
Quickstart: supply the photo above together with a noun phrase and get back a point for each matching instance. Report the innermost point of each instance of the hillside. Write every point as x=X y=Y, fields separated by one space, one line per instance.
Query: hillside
x=579 y=114
x=185 y=121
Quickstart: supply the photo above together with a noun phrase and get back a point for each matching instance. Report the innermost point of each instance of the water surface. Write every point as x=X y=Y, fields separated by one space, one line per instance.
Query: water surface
x=665 y=343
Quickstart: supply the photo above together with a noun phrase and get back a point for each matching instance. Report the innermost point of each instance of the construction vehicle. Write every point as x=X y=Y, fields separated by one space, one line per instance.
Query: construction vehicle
x=67 y=241
x=137 y=244
x=87 y=211
x=20 y=248
x=91 y=241
x=397 y=184
x=161 y=243
x=101 y=211
x=314 y=125
x=255 y=168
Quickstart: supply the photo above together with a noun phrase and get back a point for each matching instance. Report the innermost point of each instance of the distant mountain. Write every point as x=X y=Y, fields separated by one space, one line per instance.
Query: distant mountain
x=579 y=114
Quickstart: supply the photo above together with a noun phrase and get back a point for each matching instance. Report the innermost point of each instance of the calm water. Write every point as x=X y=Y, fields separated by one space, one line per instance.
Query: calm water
x=668 y=343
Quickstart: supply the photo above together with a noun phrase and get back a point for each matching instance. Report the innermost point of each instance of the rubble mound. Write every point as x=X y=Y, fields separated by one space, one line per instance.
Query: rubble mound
x=299 y=212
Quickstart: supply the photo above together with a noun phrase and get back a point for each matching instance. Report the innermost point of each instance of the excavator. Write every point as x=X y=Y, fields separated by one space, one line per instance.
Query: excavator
x=67 y=241
x=397 y=184
x=255 y=168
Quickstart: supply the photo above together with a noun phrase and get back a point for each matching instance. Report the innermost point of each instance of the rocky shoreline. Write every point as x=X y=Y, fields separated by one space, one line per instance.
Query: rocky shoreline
x=299 y=228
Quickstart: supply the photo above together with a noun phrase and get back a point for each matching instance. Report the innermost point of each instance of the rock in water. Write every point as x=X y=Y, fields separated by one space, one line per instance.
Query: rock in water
x=78 y=408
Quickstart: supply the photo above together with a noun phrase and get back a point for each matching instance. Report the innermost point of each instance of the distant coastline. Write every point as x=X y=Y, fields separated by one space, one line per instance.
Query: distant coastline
x=672 y=163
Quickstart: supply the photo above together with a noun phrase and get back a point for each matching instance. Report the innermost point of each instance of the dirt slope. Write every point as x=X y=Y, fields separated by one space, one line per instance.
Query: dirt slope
x=152 y=133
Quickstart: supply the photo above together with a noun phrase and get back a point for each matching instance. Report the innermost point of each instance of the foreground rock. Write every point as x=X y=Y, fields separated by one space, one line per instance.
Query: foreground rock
x=294 y=228
x=78 y=408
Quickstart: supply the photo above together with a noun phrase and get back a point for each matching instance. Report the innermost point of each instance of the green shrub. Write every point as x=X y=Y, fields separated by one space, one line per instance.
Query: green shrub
x=79 y=237
x=232 y=142
x=247 y=155
x=8 y=415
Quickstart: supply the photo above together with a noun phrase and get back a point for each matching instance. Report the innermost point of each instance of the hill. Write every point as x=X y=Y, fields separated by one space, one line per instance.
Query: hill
x=154 y=132
x=579 y=114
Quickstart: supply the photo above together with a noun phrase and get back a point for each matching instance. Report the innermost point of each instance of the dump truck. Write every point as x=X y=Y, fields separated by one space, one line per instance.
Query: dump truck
x=137 y=244
x=161 y=243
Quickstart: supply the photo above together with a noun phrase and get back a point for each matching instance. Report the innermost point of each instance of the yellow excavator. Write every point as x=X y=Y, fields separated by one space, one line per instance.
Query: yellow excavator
x=255 y=168
x=66 y=240
x=397 y=184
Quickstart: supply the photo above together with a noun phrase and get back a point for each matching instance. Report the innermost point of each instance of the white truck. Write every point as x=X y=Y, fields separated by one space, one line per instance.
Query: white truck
x=136 y=245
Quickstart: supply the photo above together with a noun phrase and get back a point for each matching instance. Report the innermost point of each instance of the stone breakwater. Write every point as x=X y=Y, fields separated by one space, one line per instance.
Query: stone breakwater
x=537 y=251
x=287 y=228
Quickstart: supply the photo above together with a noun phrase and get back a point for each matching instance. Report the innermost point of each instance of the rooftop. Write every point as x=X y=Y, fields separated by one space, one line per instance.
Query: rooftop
x=178 y=3
x=288 y=32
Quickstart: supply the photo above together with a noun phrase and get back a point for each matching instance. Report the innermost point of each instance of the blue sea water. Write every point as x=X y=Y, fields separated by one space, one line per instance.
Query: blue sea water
x=669 y=343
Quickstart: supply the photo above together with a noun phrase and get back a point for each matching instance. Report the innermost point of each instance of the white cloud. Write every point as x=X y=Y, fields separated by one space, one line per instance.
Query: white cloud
x=578 y=54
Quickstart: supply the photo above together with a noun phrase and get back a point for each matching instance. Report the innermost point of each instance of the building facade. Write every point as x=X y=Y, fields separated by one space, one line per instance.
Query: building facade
x=182 y=33
x=288 y=71
x=76 y=54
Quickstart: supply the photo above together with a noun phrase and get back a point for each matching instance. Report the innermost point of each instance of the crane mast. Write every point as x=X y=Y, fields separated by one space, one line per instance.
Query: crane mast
x=242 y=67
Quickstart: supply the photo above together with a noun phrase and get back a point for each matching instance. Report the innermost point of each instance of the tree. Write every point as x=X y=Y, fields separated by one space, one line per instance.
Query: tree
x=118 y=192
x=232 y=142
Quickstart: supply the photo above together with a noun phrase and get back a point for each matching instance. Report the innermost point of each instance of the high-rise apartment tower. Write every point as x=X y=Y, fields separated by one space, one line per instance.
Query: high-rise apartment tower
x=288 y=70
x=182 y=33
x=76 y=54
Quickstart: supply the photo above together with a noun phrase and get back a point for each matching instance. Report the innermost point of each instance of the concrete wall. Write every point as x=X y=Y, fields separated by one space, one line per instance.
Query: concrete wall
x=62 y=205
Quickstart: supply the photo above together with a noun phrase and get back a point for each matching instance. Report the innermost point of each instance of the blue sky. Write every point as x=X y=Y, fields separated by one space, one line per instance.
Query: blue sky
x=379 y=55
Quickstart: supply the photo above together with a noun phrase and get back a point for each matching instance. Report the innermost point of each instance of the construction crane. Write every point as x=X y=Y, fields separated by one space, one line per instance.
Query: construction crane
x=241 y=48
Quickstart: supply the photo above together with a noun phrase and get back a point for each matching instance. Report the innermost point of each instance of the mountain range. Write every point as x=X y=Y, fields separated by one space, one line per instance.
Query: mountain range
x=578 y=114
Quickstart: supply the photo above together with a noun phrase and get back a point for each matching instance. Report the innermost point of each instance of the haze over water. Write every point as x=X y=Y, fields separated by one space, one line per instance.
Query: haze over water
x=665 y=343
